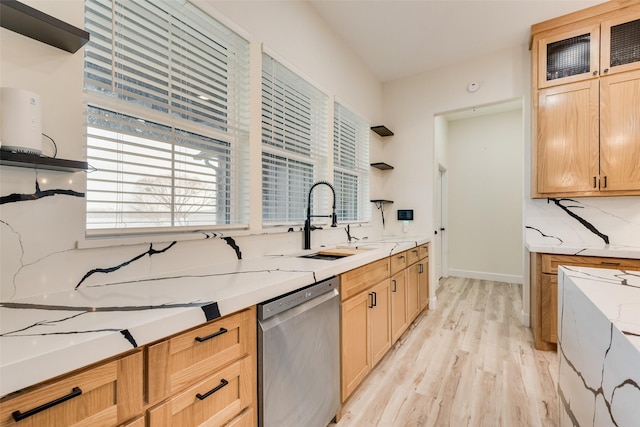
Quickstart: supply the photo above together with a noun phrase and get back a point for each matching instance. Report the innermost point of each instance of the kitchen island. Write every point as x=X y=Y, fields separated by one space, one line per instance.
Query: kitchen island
x=598 y=347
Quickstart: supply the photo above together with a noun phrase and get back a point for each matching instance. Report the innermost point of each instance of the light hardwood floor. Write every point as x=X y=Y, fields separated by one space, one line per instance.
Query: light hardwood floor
x=468 y=363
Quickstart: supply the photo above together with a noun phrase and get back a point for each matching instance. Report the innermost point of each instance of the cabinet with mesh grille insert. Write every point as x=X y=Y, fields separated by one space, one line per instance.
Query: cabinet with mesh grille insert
x=586 y=82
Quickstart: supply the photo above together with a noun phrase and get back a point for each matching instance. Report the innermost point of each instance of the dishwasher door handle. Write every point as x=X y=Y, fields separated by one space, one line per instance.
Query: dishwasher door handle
x=276 y=320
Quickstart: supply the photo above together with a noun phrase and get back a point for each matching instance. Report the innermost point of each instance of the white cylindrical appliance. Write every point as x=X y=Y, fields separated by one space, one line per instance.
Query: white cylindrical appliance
x=20 y=121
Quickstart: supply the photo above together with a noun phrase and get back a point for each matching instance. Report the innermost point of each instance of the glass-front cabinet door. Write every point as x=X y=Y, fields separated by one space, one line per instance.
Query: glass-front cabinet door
x=620 y=44
x=569 y=56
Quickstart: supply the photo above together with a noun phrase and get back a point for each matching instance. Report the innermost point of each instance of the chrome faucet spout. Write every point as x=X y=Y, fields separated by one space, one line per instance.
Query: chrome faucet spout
x=307 y=222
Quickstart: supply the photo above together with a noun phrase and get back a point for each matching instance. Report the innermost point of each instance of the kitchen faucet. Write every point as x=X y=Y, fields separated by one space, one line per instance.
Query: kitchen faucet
x=307 y=223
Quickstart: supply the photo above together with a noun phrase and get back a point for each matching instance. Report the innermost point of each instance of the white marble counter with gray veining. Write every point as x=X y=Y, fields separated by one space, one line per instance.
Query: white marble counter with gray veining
x=598 y=347
x=51 y=334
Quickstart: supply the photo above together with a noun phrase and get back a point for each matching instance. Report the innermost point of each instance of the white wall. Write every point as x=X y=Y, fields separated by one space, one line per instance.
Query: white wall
x=485 y=186
x=410 y=106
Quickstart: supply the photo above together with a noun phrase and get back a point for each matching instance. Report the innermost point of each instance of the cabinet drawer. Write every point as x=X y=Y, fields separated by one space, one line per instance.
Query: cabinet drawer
x=355 y=281
x=423 y=250
x=184 y=359
x=398 y=262
x=413 y=255
x=245 y=419
x=104 y=395
x=213 y=402
x=550 y=262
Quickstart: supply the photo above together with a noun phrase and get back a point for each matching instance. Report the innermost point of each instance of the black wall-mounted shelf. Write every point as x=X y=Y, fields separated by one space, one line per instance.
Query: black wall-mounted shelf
x=382 y=166
x=381 y=130
x=381 y=201
x=34 y=161
x=30 y=22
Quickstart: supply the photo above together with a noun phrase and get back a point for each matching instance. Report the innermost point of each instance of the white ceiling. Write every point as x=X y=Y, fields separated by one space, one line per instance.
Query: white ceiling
x=400 y=38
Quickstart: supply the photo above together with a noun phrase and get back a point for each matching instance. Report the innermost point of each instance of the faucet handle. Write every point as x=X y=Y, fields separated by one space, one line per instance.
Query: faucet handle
x=334 y=219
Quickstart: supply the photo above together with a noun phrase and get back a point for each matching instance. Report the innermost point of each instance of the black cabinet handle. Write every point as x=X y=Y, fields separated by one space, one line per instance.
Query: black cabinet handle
x=213 y=335
x=609 y=263
x=17 y=415
x=375 y=299
x=605 y=181
x=421 y=268
x=594 y=182
x=595 y=72
x=223 y=383
x=370 y=300
x=394 y=285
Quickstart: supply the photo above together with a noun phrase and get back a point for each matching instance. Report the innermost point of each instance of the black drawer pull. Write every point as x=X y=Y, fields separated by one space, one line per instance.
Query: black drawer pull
x=213 y=335
x=394 y=285
x=17 y=415
x=609 y=263
x=223 y=383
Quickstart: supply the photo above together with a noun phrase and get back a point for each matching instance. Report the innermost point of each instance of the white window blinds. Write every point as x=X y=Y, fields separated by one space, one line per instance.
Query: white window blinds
x=294 y=143
x=351 y=165
x=167 y=130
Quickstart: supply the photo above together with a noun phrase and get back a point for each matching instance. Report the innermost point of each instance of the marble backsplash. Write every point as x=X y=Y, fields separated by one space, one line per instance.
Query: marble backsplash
x=42 y=220
x=596 y=222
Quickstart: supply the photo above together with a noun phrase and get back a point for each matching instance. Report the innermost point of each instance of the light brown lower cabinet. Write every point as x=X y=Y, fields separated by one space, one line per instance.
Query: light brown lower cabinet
x=423 y=283
x=105 y=394
x=544 y=290
x=373 y=311
x=206 y=375
x=214 y=401
x=413 y=289
x=365 y=334
x=399 y=322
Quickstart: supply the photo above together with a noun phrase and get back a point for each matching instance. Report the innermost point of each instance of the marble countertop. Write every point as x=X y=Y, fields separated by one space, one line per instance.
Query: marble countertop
x=610 y=251
x=52 y=334
x=615 y=293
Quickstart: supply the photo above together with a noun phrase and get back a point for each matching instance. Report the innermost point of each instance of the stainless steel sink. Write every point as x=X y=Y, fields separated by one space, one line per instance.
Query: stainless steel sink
x=326 y=257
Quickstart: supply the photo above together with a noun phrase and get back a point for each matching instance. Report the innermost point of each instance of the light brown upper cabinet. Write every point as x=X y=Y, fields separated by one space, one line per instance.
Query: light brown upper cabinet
x=586 y=117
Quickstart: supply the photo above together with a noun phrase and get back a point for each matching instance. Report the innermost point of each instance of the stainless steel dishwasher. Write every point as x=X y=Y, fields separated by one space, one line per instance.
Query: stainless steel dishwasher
x=299 y=357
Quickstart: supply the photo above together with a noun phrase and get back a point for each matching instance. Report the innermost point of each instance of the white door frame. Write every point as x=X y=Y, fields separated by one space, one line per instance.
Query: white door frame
x=442 y=263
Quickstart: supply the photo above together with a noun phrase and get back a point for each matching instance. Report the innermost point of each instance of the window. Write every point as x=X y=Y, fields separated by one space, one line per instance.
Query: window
x=351 y=166
x=294 y=143
x=167 y=126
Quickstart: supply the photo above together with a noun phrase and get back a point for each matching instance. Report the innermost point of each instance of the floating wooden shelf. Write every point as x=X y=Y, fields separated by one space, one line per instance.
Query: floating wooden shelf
x=382 y=166
x=381 y=130
x=30 y=22
x=34 y=161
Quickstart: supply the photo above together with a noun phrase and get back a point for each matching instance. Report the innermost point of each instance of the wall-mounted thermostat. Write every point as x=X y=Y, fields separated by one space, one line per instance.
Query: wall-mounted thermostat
x=405 y=214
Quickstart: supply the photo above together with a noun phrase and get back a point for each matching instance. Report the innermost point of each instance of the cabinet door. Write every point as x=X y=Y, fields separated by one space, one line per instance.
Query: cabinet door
x=620 y=132
x=380 y=321
x=568 y=56
x=398 y=305
x=423 y=283
x=354 y=343
x=567 y=140
x=549 y=307
x=413 y=297
x=620 y=44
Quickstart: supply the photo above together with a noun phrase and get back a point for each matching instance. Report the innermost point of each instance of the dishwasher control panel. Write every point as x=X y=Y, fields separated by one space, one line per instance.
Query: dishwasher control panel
x=285 y=302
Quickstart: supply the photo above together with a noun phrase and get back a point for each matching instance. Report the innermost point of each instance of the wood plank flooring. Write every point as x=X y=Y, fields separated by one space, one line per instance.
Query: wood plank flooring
x=470 y=362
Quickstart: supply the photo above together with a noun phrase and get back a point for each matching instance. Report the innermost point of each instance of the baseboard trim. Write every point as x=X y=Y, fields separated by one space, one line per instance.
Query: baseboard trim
x=480 y=275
